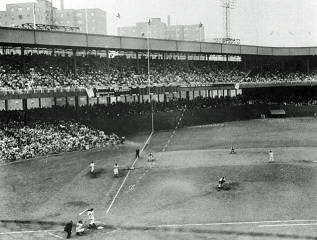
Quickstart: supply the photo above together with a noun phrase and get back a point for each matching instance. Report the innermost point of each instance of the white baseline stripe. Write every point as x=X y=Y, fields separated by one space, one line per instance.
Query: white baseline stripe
x=54 y=235
x=115 y=197
x=23 y=232
x=233 y=223
x=288 y=225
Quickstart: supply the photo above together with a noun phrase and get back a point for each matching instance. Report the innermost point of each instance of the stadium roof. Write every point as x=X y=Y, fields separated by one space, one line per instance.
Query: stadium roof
x=38 y=38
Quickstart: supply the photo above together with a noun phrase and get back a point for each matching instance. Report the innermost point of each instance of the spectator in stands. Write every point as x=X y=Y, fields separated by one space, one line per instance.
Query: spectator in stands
x=19 y=141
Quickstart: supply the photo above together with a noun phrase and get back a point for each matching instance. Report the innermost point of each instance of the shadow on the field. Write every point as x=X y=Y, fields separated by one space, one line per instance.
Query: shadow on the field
x=97 y=173
x=20 y=225
x=220 y=232
x=77 y=204
x=304 y=161
x=230 y=186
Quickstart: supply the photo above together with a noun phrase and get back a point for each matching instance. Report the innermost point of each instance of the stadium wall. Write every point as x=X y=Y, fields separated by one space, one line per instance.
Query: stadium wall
x=276 y=93
x=168 y=120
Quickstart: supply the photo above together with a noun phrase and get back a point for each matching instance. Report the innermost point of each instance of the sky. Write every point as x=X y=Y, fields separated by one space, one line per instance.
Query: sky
x=255 y=22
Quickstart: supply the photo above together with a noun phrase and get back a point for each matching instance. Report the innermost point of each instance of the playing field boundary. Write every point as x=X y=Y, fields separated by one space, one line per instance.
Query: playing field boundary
x=129 y=170
x=260 y=223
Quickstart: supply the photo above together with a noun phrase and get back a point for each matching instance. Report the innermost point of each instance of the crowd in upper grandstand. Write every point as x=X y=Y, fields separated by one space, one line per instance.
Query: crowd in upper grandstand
x=19 y=141
x=48 y=71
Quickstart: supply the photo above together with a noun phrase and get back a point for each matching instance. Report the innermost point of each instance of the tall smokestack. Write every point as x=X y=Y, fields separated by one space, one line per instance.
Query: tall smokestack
x=62 y=4
x=168 y=20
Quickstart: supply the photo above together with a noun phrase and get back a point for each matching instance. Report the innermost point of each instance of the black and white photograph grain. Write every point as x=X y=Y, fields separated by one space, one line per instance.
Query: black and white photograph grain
x=158 y=119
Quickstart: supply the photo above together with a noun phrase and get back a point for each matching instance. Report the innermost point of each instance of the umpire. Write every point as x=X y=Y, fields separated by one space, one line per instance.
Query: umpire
x=68 y=228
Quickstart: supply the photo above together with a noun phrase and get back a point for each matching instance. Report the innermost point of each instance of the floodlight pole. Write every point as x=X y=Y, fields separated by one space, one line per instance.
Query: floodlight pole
x=148 y=74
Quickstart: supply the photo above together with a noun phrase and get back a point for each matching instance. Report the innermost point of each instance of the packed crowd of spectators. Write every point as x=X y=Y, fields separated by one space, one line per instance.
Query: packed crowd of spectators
x=48 y=71
x=19 y=141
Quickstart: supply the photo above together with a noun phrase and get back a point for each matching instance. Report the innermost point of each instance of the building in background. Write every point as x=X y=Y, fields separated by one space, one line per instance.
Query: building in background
x=193 y=32
x=154 y=29
x=42 y=12
x=92 y=20
x=19 y=13
x=161 y=30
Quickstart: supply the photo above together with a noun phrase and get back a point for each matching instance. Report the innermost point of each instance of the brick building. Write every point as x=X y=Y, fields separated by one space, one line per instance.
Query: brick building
x=42 y=12
x=161 y=30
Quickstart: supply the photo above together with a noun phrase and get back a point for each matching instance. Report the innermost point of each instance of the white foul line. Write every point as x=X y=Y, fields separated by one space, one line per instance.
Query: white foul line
x=115 y=197
x=54 y=235
x=23 y=232
x=233 y=223
x=288 y=225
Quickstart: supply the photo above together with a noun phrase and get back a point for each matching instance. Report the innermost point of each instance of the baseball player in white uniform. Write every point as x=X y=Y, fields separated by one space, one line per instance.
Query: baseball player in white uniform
x=92 y=167
x=271 y=156
x=116 y=170
x=91 y=218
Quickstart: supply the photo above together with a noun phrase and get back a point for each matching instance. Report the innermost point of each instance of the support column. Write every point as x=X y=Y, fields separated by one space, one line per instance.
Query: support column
x=6 y=104
x=108 y=63
x=164 y=63
x=23 y=59
x=187 y=63
x=137 y=62
x=283 y=65
x=209 y=61
x=75 y=61
x=307 y=65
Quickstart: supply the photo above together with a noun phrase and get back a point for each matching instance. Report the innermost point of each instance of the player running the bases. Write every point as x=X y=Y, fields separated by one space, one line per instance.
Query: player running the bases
x=271 y=156
x=116 y=170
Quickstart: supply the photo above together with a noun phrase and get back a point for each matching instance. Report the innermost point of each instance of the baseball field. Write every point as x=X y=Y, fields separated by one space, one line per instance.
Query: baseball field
x=176 y=195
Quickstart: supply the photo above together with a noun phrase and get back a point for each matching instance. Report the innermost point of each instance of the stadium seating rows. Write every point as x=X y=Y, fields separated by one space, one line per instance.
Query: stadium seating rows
x=47 y=71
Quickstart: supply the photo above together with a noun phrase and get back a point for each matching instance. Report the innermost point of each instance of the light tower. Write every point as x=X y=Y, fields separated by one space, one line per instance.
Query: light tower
x=227 y=6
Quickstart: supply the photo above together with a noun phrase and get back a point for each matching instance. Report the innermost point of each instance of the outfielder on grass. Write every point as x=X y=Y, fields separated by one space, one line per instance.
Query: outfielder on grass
x=271 y=156
x=233 y=151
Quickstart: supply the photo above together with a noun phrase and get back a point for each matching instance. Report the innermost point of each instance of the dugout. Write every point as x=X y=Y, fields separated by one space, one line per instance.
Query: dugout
x=277 y=113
